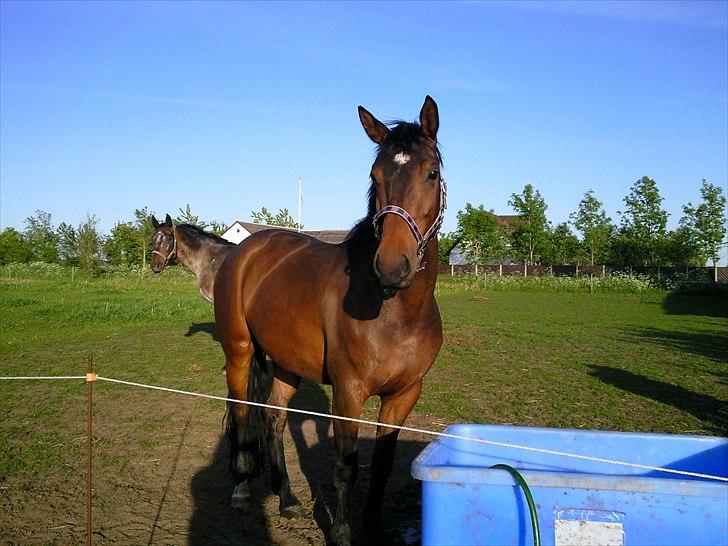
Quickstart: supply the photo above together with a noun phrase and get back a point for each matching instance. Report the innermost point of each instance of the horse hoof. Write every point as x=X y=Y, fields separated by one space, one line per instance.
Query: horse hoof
x=295 y=511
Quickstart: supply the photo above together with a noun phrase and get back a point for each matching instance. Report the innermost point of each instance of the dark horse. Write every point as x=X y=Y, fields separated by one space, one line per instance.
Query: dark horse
x=359 y=315
x=199 y=251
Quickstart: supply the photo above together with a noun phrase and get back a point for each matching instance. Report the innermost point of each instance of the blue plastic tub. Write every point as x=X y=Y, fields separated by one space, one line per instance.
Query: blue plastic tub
x=578 y=502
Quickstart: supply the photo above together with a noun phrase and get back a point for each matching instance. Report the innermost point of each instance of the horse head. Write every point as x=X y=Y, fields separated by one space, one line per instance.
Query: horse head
x=164 y=244
x=409 y=193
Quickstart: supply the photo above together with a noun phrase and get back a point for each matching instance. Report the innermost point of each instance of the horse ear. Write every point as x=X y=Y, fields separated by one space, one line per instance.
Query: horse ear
x=155 y=224
x=375 y=129
x=429 y=118
x=168 y=221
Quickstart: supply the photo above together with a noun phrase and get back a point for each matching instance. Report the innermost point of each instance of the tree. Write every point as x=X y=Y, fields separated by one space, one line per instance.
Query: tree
x=283 y=218
x=645 y=222
x=122 y=246
x=186 y=217
x=41 y=238
x=144 y=230
x=67 y=244
x=707 y=221
x=217 y=228
x=681 y=248
x=13 y=247
x=530 y=235
x=595 y=227
x=89 y=243
x=445 y=243
x=479 y=234
x=563 y=247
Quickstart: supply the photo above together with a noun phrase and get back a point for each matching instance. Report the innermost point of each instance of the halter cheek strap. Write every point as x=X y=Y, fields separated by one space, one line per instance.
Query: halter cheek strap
x=422 y=240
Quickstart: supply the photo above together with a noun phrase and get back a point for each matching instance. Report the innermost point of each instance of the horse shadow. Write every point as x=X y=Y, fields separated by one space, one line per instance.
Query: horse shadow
x=214 y=522
x=204 y=327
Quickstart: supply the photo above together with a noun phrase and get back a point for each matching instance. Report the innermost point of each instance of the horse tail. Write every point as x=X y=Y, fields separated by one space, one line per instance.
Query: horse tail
x=246 y=441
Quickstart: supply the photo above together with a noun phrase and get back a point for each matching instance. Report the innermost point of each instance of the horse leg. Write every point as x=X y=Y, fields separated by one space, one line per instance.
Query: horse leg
x=346 y=404
x=394 y=410
x=242 y=369
x=284 y=388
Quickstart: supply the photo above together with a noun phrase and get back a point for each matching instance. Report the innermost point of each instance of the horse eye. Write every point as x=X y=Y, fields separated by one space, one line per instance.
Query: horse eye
x=433 y=175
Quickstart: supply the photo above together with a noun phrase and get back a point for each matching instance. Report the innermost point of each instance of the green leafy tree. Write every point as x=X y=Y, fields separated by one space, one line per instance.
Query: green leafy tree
x=644 y=222
x=283 y=218
x=187 y=217
x=67 y=244
x=595 y=227
x=122 y=246
x=707 y=221
x=218 y=228
x=479 y=234
x=89 y=243
x=445 y=243
x=13 y=247
x=563 y=247
x=531 y=233
x=144 y=231
x=41 y=237
x=681 y=248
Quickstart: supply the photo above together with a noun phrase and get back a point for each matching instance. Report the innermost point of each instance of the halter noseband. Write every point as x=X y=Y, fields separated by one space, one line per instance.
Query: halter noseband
x=172 y=253
x=422 y=240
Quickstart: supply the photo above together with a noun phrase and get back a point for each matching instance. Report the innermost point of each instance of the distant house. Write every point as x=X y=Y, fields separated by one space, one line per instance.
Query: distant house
x=240 y=230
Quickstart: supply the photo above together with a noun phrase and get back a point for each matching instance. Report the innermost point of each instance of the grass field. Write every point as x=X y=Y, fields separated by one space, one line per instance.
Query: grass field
x=543 y=355
x=630 y=361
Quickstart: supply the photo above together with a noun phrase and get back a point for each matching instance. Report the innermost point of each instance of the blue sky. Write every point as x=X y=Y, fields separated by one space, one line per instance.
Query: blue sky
x=108 y=107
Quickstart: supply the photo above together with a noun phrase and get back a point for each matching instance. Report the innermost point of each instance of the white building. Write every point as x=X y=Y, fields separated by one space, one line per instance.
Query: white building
x=239 y=230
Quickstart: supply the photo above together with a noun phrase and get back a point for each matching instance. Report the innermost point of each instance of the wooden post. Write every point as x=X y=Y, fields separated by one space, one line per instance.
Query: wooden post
x=525 y=269
x=576 y=270
x=452 y=269
x=603 y=271
x=500 y=270
x=476 y=269
x=90 y=378
x=591 y=283
x=485 y=277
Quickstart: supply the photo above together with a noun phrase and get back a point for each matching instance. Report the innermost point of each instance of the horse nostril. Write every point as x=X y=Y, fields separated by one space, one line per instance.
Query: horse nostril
x=376 y=266
x=406 y=266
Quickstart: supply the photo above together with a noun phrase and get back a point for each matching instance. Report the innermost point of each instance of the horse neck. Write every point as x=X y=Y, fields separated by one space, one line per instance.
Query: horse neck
x=421 y=291
x=197 y=260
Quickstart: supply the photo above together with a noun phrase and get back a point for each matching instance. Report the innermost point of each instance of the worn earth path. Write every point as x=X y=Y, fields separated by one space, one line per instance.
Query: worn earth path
x=177 y=490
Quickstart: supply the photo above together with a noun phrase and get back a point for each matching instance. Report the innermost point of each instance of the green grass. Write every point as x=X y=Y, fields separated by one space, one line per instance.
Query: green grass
x=633 y=360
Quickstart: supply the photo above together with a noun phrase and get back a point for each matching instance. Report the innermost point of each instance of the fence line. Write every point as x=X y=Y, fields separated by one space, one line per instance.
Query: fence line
x=399 y=427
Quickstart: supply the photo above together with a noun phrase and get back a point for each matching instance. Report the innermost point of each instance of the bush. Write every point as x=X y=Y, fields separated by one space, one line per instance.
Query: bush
x=547 y=283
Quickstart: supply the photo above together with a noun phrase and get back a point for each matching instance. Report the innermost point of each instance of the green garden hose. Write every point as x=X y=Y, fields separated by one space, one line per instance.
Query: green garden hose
x=529 y=499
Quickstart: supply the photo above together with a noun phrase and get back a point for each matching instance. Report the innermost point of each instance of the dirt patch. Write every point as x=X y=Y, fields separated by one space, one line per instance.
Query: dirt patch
x=160 y=477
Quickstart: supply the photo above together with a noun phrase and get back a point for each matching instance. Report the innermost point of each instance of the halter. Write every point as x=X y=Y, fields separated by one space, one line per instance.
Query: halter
x=422 y=240
x=172 y=253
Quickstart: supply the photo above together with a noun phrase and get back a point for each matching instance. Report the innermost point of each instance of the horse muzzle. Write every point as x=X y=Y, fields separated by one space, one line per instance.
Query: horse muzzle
x=396 y=272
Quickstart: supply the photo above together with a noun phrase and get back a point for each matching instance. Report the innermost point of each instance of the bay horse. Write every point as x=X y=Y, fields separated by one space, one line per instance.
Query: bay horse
x=360 y=315
x=199 y=251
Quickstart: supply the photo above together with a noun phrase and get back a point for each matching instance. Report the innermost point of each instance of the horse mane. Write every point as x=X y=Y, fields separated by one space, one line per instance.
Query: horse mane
x=403 y=137
x=200 y=233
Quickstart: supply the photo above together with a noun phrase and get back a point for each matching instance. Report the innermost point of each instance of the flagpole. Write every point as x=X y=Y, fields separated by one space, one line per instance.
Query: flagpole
x=300 y=191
